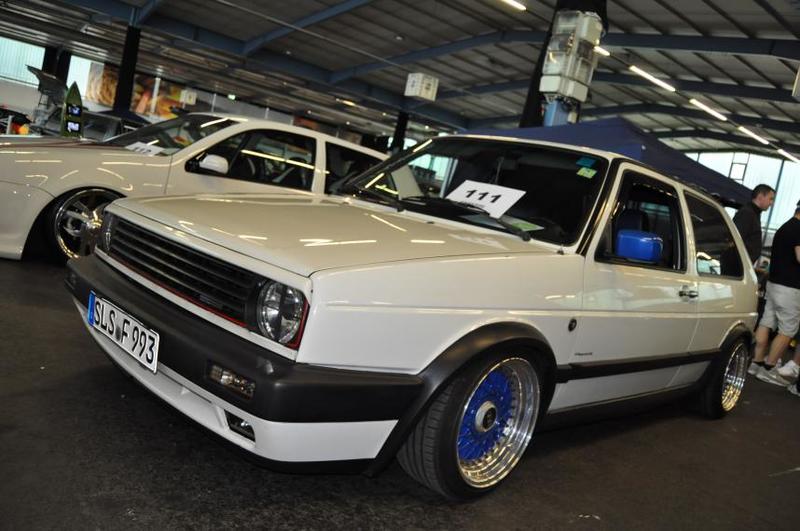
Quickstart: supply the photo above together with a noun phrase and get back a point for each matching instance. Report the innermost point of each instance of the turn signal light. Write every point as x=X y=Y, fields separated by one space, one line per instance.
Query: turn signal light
x=232 y=381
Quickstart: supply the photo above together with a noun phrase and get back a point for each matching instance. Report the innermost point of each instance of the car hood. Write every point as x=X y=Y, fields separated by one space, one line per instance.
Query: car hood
x=305 y=233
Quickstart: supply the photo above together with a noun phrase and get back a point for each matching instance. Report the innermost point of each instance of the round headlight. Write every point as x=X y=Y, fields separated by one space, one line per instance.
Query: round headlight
x=280 y=311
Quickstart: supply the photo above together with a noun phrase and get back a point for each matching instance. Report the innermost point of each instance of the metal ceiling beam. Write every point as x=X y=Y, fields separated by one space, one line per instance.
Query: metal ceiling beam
x=705 y=87
x=112 y=8
x=690 y=112
x=270 y=62
x=722 y=137
x=144 y=12
x=783 y=49
x=653 y=108
x=257 y=42
x=442 y=49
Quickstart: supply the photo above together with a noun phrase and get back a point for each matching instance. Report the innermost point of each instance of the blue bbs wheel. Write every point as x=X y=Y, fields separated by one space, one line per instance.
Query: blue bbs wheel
x=475 y=431
x=497 y=422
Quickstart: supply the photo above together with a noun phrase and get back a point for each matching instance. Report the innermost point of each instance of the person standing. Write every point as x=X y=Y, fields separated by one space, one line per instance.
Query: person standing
x=782 y=312
x=748 y=219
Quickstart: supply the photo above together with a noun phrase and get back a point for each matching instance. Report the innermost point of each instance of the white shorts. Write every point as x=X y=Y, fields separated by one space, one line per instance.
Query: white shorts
x=782 y=312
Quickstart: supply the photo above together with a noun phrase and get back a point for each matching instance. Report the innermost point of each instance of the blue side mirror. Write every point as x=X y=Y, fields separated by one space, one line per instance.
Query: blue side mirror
x=639 y=245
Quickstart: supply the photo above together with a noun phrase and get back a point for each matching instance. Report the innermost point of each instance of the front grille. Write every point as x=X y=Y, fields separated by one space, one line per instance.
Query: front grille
x=206 y=281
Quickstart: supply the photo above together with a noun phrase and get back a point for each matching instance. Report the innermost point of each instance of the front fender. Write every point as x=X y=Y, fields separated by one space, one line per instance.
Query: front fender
x=436 y=375
x=21 y=205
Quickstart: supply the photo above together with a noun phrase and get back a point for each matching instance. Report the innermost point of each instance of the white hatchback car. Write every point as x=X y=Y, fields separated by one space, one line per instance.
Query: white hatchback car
x=438 y=309
x=52 y=187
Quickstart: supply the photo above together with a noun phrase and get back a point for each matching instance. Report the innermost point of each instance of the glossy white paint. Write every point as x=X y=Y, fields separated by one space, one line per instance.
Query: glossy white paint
x=305 y=232
x=280 y=441
x=390 y=291
x=57 y=166
x=723 y=302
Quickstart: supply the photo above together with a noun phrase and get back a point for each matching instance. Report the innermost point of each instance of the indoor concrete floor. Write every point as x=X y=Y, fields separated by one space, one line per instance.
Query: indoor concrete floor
x=82 y=446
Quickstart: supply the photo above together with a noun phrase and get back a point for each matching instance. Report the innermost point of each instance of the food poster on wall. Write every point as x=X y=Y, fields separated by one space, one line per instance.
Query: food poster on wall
x=102 y=84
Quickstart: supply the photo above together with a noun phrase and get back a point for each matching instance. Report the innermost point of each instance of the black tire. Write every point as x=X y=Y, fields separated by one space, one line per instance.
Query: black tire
x=430 y=454
x=724 y=381
x=61 y=247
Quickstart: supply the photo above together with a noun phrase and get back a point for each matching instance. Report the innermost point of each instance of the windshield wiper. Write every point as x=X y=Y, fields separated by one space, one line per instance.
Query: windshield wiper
x=510 y=227
x=357 y=190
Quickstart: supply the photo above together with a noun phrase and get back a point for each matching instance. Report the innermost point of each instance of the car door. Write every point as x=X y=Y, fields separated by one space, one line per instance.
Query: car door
x=638 y=315
x=259 y=160
x=726 y=292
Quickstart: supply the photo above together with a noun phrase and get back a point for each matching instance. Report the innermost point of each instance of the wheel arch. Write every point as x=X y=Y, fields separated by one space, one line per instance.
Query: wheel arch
x=524 y=339
x=36 y=237
x=736 y=332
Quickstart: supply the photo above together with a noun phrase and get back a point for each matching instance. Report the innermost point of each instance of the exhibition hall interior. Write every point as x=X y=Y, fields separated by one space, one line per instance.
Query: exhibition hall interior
x=424 y=264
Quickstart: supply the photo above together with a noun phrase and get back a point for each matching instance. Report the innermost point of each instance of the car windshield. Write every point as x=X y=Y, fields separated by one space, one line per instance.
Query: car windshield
x=524 y=189
x=169 y=136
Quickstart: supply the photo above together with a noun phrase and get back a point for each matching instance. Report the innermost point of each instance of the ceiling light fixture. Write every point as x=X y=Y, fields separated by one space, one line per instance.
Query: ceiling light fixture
x=347 y=102
x=789 y=156
x=751 y=134
x=666 y=86
x=602 y=51
x=716 y=114
x=514 y=4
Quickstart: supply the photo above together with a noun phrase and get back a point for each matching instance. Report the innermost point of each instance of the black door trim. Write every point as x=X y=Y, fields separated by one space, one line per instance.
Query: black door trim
x=582 y=371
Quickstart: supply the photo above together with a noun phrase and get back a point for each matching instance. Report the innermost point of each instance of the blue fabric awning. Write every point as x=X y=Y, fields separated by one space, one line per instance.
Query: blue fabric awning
x=620 y=136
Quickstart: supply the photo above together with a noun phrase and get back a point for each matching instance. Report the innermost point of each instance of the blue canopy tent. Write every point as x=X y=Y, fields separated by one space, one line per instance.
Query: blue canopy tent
x=621 y=136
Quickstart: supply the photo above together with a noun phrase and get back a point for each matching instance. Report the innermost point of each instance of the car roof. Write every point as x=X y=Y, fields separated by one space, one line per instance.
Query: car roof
x=259 y=122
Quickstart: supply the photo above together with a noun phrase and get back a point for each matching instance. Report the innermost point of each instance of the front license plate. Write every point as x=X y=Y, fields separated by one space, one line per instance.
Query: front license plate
x=125 y=331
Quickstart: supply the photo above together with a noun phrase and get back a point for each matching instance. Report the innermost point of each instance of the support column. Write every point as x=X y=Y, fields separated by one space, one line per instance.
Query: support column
x=532 y=113
x=62 y=65
x=399 y=132
x=127 y=70
x=50 y=60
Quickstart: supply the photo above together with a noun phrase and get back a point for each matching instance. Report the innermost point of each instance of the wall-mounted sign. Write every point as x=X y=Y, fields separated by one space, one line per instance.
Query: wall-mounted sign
x=72 y=113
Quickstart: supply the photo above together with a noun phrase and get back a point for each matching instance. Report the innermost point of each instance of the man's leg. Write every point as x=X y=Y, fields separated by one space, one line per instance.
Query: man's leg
x=762 y=342
x=776 y=350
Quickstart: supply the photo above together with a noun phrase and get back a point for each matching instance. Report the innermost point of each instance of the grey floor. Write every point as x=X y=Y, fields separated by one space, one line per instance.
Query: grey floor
x=82 y=446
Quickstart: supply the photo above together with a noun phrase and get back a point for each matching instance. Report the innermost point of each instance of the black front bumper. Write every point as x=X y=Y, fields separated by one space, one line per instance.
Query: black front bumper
x=285 y=391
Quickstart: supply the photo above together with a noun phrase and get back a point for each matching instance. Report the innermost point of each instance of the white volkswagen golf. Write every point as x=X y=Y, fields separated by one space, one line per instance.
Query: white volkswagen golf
x=50 y=188
x=439 y=309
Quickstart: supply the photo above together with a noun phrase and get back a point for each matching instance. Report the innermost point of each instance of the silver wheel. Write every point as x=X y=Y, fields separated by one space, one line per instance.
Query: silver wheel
x=497 y=422
x=73 y=213
x=734 y=377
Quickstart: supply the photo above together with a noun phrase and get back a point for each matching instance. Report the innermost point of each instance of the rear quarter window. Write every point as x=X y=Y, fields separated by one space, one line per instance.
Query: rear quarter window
x=716 y=250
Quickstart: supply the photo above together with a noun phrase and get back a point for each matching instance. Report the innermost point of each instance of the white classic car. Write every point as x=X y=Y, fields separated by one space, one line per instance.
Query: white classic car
x=440 y=323
x=51 y=187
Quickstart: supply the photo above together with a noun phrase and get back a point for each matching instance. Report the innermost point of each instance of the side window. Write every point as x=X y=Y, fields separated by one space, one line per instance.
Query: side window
x=276 y=157
x=645 y=226
x=343 y=163
x=228 y=149
x=717 y=253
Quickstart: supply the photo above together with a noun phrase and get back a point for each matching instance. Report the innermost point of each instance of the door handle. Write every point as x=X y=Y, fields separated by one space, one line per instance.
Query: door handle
x=690 y=293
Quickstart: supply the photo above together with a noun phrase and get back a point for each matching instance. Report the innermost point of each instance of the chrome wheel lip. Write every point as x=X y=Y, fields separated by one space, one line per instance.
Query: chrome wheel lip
x=734 y=377
x=67 y=222
x=496 y=464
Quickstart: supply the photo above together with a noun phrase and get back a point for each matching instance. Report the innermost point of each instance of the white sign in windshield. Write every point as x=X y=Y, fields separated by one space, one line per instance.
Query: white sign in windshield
x=494 y=199
x=144 y=149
